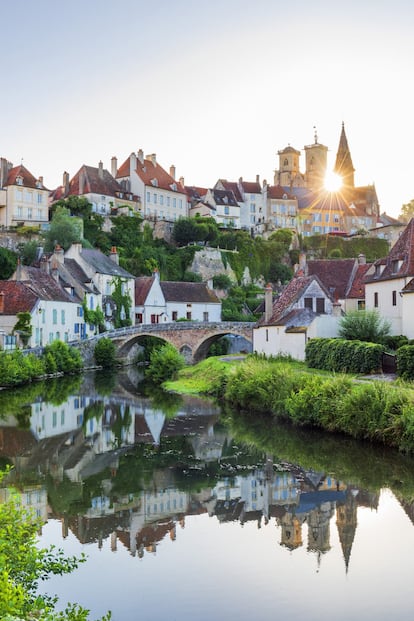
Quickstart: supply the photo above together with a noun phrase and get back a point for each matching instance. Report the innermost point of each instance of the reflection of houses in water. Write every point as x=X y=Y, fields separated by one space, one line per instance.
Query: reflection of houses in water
x=32 y=498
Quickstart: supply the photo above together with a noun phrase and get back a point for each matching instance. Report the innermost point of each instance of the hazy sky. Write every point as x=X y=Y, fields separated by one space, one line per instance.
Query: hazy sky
x=215 y=88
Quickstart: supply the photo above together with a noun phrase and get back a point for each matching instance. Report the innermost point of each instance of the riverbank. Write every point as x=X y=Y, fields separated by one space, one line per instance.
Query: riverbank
x=370 y=410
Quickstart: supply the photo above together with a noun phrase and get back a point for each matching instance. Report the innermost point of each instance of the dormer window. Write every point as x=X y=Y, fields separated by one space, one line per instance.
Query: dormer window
x=395 y=266
x=173 y=186
x=19 y=180
x=378 y=270
x=154 y=182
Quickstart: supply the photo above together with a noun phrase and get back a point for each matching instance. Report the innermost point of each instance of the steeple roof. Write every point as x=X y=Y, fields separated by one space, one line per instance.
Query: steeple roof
x=343 y=163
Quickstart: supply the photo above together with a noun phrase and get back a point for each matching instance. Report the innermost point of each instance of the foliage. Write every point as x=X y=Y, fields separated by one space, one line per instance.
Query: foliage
x=188 y=230
x=343 y=355
x=123 y=302
x=364 y=325
x=405 y=362
x=192 y=277
x=94 y=317
x=28 y=251
x=219 y=347
x=407 y=212
x=284 y=236
x=126 y=232
x=222 y=281
x=8 y=263
x=66 y=359
x=240 y=303
x=323 y=245
x=24 y=565
x=104 y=353
x=80 y=207
x=23 y=327
x=64 y=230
x=164 y=364
x=394 y=342
x=207 y=377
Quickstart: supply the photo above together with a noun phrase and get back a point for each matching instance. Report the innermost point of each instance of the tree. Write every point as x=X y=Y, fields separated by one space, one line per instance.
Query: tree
x=64 y=230
x=164 y=364
x=8 y=263
x=28 y=251
x=23 y=327
x=104 y=353
x=407 y=211
x=365 y=325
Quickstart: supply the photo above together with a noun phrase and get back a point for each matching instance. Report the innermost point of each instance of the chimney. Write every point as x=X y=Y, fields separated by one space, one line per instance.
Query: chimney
x=18 y=270
x=132 y=163
x=156 y=274
x=55 y=271
x=41 y=180
x=114 y=256
x=336 y=309
x=65 y=182
x=303 y=266
x=172 y=171
x=257 y=178
x=100 y=170
x=181 y=180
x=1 y=302
x=153 y=158
x=268 y=302
x=81 y=182
x=141 y=156
x=44 y=265
x=114 y=166
x=58 y=254
x=362 y=259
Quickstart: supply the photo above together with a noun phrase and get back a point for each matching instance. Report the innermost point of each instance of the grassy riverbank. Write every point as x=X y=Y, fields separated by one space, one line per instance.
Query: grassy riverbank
x=371 y=410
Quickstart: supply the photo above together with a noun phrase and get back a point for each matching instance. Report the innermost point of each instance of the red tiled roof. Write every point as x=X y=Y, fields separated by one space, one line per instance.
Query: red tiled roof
x=289 y=296
x=403 y=250
x=148 y=172
x=18 y=297
x=277 y=191
x=92 y=180
x=357 y=288
x=335 y=274
x=192 y=292
x=29 y=181
x=142 y=287
x=231 y=186
x=251 y=187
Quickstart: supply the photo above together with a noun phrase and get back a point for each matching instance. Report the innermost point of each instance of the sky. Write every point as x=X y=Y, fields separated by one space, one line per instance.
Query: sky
x=216 y=88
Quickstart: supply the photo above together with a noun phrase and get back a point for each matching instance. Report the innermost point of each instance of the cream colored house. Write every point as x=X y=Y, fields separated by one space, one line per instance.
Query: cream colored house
x=24 y=200
x=304 y=310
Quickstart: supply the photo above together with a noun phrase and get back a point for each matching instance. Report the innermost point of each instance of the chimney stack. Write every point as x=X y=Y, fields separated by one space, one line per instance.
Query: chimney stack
x=114 y=255
x=133 y=163
x=362 y=259
x=59 y=254
x=172 y=171
x=268 y=302
x=257 y=178
x=1 y=302
x=153 y=158
x=141 y=156
x=100 y=170
x=65 y=182
x=114 y=166
x=44 y=265
x=181 y=180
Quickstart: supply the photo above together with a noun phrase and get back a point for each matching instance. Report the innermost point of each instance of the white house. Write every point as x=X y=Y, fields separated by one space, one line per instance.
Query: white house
x=166 y=301
x=304 y=310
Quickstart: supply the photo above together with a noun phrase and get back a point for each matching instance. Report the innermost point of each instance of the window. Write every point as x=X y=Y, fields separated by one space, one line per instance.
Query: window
x=79 y=311
x=205 y=316
x=320 y=305
x=376 y=299
x=394 y=298
x=19 y=212
x=139 y=318
x=308 y=303
x=168 y=201
x=174 y=202
x=252 y=208
x=62 y=317
x=267 y=335
x=155 y=199
x=39 y=199
x=29 y=213
x=361 y=304
x=317 y=217
x=174 y=315
x=226 y=210
x=76 y=328
x=189 y=315
x=154 y=319
x=54 y=316
x=161 y=199
x=148 y=197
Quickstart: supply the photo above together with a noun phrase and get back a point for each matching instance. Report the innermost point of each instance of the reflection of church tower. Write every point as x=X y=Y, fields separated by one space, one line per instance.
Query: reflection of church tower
x=343 y=164
x=291 y=531
x=316 y=158
x=346 y=521
x=318 y=528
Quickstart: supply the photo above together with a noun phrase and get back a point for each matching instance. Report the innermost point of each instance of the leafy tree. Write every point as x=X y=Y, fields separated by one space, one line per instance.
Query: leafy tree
x=23 y=327
x=8 y=263
x=282 y=235
x=64 y=230
x=222 y=281
x=164 y=364
x=185 y=231
x=407 y=211
x=104 y=353
x=28 y=251
x=364 y=325
x=126 y=233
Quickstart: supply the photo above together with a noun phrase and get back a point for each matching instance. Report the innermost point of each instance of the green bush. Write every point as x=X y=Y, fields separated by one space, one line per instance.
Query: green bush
x=405 y=362
x=67 y=358
x=364 y=325
x=341 y=355
x=164 y=364
x=393 y=343
x=104 y=353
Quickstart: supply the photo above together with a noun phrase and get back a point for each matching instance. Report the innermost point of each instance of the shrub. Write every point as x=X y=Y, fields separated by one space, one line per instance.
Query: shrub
x=67 y=359
x=344 y=356
x=395 y=342
x=104 y=353
x=164 y=364
x=405 y=362
x=364 y=325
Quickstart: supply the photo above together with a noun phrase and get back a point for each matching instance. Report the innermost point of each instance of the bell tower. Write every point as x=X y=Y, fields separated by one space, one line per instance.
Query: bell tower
x=316 y=162
x=343 y=164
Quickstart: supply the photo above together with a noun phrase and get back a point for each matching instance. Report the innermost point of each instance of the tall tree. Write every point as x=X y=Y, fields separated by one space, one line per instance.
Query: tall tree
x=407 y=211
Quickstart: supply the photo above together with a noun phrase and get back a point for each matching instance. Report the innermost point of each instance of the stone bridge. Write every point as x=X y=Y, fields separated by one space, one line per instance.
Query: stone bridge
x=191 y=339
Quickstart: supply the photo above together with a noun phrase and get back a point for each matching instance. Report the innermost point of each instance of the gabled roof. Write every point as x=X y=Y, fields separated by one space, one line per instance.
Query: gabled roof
x=192 y=292
x=45 y=286
x=18 y=297
x=195 y=193
x=94 y=180
x=103 y=264
x=335 y=274
x=143 y=285
x=251 y=187
x=29 y=181
x=289 y=296
x=400 y=261
x=357 y=288
x=77 y=275
x=224 y=197
x=151 y=174
x=231 y=186
x=278 y=192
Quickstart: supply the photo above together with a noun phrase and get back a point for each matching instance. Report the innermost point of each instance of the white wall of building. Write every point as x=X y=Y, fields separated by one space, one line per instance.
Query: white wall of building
x=388 y=301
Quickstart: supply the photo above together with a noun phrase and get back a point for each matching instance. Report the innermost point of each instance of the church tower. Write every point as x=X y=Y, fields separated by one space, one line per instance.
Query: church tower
x=343 y=164
x=289 y=174
x=316 y=162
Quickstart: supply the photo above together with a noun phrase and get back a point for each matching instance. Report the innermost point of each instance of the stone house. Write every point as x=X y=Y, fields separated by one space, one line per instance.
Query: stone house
x=24 y=199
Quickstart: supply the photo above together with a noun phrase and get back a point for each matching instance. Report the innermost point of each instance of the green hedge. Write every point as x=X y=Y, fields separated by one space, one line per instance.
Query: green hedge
x=405 y=362
x=341 y=355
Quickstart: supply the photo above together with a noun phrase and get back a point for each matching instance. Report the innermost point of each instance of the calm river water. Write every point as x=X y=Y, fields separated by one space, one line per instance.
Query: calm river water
x=186 y=513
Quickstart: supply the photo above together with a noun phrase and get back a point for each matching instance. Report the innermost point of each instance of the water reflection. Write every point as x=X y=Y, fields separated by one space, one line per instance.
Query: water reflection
x=116 y=467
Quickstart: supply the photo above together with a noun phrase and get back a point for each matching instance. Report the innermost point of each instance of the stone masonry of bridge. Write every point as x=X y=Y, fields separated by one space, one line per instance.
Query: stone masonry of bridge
x=191 y=339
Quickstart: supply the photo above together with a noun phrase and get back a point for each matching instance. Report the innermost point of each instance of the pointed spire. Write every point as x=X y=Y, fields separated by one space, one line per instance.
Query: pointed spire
x=343 y=164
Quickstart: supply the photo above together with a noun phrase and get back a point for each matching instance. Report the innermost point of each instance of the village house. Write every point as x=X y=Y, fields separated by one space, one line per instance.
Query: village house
x=166 y=301
x=224 y=207
x=304 y=310
x=24 y=199
x=249 y=196
x=100 y=188
x=389 y=287
x=162 y=197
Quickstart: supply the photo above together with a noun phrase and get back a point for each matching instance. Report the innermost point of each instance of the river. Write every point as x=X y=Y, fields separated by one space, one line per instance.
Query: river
x=188 y=513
